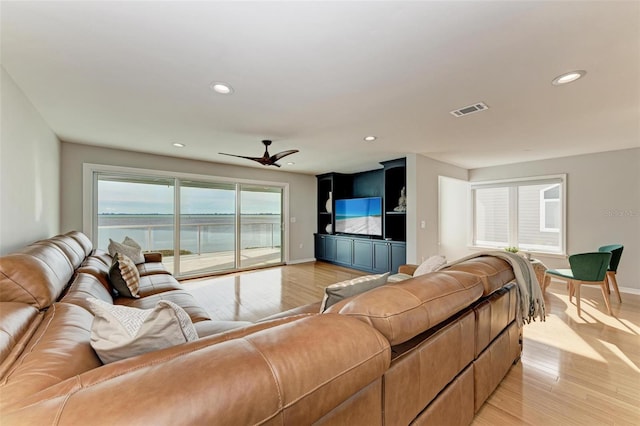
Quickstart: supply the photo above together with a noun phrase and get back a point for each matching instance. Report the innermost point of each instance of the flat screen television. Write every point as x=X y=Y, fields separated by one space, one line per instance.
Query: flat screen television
x=362 y=216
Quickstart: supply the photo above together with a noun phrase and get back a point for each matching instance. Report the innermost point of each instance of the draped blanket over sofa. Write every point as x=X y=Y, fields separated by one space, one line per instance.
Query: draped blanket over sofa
x=430 y=349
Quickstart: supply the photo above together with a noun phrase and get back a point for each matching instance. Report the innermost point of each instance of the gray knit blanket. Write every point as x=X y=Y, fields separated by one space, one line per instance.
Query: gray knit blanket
x=531 y=299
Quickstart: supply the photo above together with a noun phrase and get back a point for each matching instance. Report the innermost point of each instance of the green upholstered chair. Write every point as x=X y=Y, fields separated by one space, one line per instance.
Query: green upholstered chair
x=616 y=254
x=586 y=268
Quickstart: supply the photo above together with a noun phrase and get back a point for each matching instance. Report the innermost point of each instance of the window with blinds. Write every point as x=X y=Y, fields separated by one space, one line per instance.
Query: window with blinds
x=526 y=213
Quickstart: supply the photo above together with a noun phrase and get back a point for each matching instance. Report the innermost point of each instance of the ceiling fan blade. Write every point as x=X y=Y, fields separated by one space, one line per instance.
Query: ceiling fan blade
x=266 y=159
x=262 y=160
x=258 y=159
x=278 y=156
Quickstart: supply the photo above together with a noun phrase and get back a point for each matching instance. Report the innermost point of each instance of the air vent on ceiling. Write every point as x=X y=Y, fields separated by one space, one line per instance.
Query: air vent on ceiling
x=469 y=109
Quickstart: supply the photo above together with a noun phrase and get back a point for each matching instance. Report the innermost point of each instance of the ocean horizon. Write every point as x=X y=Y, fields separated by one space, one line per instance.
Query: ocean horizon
x=200 y=233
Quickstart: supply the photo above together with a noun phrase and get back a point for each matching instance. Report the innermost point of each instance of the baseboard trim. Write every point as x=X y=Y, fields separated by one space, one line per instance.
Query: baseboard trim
x=295 y=261
x=629 y=290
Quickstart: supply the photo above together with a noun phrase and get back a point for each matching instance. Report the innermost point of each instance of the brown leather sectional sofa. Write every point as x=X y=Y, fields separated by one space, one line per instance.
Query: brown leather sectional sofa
x=428 y=350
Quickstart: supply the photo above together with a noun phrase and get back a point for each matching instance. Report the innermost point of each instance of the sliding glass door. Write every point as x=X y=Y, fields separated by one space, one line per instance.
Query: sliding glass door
x=200 y=226
x=260 y=225
x=139 y=207
x=207 y=227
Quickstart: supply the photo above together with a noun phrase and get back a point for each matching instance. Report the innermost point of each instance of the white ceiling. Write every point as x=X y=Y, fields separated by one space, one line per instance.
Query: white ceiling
x=319 y=76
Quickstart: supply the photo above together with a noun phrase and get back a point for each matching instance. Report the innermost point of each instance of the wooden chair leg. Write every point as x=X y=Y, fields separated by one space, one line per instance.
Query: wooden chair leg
x=605 y=293
x=546 y=282
x=576 y=287
x=572 y=290
x=611 y=278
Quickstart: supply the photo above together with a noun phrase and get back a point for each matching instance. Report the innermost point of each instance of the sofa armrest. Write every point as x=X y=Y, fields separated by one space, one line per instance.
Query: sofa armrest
x=407 y=269
x=152 y=256
x=296 y=372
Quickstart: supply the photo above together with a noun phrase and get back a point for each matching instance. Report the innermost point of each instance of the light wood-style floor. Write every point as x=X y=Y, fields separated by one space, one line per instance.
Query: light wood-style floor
x=574 y=370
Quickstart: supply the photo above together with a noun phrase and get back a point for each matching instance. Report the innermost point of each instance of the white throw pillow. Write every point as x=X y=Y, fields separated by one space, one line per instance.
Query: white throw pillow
x=120 y=332
x=133 y=253
x=128 y=241
x=431 y=264
x=339 y=291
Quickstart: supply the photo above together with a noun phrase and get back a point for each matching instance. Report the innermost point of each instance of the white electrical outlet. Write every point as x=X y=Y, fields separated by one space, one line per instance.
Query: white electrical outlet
x=301 y=245
x=423 y=224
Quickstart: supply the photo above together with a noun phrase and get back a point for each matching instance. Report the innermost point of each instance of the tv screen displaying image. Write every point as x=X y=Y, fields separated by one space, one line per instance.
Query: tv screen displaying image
x=359 y=216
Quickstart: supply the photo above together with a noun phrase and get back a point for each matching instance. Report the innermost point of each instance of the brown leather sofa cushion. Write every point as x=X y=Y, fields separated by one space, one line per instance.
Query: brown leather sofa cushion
x=98 y=269
x=150 y=282
x=403 y=310
x=71 y=248
x=158 y=283
x=15 y=320
x=151 y=268
x=495 y=272
x=83 y=287
x=36 y=275
x=102 y=256
x=182 y=298
x=83 y=240
x=282 y=375
x=58 y=350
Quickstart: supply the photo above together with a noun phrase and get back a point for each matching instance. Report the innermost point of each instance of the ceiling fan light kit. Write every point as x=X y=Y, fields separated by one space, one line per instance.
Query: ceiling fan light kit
x=266 y=159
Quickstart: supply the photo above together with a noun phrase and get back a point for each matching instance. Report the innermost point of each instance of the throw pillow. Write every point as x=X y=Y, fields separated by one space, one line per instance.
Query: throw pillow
x=133 y=253
x=124 y=276
x=131 y=242
x=431 y=264
x=339 y=291
x=120 y=332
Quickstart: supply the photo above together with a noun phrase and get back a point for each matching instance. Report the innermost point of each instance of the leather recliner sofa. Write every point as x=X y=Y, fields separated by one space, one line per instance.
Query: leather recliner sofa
x=428 y=350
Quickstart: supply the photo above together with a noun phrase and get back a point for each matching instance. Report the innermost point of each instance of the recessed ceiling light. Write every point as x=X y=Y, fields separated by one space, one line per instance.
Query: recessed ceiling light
x=291 y=163
x=179 y=145
x=222 y=88
x=370 y=138
x=568 y=77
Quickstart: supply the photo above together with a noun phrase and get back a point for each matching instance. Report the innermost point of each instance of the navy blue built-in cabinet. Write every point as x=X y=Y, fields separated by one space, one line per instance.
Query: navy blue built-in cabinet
x=371 y=254
x=365 y=254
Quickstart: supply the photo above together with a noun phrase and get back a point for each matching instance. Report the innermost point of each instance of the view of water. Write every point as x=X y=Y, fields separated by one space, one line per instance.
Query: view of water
x=199 y=233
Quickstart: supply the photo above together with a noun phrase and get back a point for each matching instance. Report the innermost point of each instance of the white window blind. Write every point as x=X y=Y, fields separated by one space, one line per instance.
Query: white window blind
x=525 y=213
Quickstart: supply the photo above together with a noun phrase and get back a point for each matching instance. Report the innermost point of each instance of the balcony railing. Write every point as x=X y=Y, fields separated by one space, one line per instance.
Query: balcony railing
x=198 y=238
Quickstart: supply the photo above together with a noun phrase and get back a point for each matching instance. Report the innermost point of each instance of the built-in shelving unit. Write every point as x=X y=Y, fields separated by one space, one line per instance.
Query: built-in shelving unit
x=330 y=185
x=364 y=253
x=395 y=179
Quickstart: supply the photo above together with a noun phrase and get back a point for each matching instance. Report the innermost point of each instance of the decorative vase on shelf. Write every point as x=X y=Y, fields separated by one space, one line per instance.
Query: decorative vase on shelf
x=329 y=204
x=328 y=229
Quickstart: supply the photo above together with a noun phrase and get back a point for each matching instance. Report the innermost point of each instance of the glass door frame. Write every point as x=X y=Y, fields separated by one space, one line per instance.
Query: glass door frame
x=241 y=188
x=91 y=172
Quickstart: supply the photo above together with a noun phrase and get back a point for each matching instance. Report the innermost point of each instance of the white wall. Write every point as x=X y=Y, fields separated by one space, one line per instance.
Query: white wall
x=603 y=204
x=422 y=204
x=29 y=171
x=302 y=188
x=454 y=218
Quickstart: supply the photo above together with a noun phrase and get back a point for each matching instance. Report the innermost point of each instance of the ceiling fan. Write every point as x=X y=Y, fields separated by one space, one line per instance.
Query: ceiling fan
x=266 y=159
